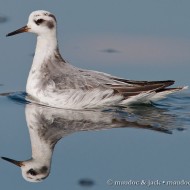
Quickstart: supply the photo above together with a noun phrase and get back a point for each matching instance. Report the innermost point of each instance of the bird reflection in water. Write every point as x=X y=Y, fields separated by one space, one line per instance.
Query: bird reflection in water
x=48 y=125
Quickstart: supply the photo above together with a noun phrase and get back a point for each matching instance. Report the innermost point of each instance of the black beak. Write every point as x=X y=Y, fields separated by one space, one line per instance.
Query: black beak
x=21 y=30
x=17 y=163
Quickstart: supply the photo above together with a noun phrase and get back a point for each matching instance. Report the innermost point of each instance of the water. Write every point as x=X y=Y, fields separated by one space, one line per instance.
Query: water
x=138 y=147
x=141 y=142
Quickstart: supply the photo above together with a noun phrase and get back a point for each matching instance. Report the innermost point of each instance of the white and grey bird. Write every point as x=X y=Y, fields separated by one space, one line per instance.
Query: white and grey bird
x=54 y=82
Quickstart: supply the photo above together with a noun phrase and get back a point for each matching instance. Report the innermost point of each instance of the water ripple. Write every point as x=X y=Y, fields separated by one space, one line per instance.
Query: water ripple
x=167 y=115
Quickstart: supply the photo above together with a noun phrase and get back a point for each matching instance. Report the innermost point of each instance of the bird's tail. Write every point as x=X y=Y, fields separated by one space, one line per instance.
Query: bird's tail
x=162 y=93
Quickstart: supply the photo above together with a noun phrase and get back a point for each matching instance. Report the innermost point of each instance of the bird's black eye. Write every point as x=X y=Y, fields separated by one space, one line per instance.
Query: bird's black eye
x=39 y=21
x=32 y=172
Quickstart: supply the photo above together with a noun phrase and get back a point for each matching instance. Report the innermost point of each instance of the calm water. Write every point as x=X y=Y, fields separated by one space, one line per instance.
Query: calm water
x=136 y=146
x=141 y=142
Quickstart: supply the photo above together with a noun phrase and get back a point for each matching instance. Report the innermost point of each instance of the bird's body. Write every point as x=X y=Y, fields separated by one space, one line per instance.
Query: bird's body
x=54 y=82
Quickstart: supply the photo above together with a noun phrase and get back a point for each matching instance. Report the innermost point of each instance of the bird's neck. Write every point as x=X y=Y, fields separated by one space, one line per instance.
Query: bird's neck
x=45 y=47
x=46 y=54
x=41 y=150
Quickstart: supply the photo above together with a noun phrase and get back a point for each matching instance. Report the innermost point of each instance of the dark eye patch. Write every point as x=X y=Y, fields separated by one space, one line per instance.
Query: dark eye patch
x=50 y=24
x=39 y=21
x=32 y=172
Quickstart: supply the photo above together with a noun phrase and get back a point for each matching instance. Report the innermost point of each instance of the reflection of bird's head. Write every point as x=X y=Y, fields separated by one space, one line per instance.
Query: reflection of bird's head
x=32 y=170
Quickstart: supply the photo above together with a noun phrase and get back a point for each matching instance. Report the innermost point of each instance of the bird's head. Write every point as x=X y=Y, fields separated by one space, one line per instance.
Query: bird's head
x=39 y=22
x=32 y=170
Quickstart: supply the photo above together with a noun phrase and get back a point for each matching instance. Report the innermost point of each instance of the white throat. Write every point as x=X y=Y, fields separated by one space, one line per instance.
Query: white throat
x=45 y=48
x=46 y=45
x=42 y=149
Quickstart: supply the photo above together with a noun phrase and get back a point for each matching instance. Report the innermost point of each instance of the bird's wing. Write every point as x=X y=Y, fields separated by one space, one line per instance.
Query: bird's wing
x=132 y=88
x=88 y=80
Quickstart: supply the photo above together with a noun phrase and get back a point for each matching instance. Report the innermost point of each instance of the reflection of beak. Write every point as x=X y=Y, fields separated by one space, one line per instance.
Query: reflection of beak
x=17 y=163
x=21 y=30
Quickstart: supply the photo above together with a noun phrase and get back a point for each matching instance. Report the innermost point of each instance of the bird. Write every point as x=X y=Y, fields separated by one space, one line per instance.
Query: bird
x=47 y=126
x=54 y=82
